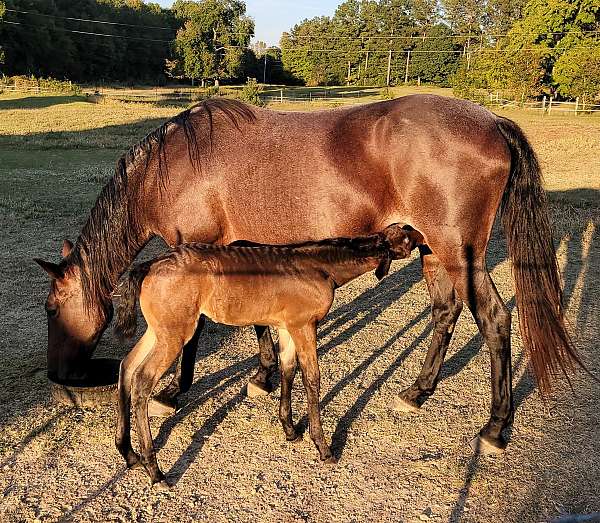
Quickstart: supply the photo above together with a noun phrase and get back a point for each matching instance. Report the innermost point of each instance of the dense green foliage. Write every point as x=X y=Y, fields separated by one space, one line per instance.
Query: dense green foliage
x=523 y=48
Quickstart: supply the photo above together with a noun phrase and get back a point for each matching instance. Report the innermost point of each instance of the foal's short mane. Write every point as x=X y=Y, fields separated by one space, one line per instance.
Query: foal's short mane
x=113 y=234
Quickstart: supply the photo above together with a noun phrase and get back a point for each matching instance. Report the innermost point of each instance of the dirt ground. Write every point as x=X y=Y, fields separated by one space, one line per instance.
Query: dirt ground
x=225 y=453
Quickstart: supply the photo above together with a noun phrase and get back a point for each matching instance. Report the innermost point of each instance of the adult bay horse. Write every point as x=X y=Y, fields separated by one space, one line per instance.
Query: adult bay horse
x=222 y=171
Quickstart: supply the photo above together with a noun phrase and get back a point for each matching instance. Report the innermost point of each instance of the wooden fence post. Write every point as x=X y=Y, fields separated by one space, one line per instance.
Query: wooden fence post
x=544 y=104
x=281 y=95
x=550 y=105
x=576 y=105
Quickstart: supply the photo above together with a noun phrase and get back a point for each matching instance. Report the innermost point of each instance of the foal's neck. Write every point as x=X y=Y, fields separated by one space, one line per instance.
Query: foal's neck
x=347 y=269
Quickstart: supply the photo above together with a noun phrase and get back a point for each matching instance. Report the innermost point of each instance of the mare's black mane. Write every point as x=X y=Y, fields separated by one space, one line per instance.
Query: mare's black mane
x=114 y=234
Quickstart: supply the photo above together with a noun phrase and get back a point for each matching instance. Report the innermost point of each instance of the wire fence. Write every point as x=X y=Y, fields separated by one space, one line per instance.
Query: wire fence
x=166 y=95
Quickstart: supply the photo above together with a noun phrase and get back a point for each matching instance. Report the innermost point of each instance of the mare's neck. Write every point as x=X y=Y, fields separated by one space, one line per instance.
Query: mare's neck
x=110 y=240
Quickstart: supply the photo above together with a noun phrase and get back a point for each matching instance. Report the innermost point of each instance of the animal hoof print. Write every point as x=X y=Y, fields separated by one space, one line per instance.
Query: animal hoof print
x=486 y=447
x=158 y=409
x=254 y=390
x=401 y=405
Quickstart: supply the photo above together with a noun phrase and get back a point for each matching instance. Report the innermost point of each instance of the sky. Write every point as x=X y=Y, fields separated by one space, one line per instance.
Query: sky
x=273 y=17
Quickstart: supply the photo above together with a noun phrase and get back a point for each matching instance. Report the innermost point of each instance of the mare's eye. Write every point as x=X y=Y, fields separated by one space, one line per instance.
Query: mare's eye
x=51 y=312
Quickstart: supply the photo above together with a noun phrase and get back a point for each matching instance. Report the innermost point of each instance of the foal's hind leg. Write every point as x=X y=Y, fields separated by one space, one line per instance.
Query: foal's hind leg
x=260 y=384
x=165 y=402
x=305 y=340
x=446 y=307
x=287 y=370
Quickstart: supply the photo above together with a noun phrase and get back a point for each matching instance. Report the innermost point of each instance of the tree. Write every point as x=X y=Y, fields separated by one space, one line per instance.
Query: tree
x=212 y=41
x=435 y=59
x=2 y=11
x=577 y=71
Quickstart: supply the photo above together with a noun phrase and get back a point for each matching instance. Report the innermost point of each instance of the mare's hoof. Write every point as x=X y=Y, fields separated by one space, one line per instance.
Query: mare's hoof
x=487 y=446
x=159 y=409
x=331 y=460
x=161 y=486
x=403 y=405
x=253 y=390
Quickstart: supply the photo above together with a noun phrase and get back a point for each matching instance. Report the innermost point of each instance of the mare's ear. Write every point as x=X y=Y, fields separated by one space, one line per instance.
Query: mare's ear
x=53 y=270
x=384 y=267
x=67 y=247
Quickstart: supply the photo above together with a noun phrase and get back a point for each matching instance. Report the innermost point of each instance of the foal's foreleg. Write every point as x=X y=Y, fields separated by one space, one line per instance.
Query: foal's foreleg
x=144 y=380
x=165 y=402
x=260 y=383
x=305 y=340
x=287 y=370
x=446 y=307
x=128 y=366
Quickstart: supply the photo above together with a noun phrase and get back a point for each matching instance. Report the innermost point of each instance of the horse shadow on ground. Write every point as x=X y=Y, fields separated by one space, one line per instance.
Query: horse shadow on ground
x=38 y=102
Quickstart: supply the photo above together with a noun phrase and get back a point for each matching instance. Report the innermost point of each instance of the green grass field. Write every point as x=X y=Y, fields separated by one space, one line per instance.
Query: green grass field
x=227 y=452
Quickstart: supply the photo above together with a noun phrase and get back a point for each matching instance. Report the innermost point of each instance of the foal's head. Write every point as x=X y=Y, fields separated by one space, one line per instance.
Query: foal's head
x=400 y=240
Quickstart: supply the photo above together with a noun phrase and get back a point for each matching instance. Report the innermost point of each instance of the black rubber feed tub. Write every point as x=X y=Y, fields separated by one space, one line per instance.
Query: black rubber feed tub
x=99 y=388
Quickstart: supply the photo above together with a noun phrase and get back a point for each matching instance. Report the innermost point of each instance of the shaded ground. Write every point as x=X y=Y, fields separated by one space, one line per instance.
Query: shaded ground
x=227 y=454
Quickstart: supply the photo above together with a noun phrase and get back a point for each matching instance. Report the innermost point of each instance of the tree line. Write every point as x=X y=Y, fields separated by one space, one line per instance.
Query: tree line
x=127 y=40
x=521 y=47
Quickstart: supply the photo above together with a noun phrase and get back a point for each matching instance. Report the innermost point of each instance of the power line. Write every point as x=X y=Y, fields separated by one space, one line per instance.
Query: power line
x=417 y=51
x=89 y=20
x=63 y=30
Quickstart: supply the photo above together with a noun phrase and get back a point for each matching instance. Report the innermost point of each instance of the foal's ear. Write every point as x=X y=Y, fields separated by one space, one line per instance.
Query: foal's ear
x=383 y=268
x=67 y=247
x=53 y=270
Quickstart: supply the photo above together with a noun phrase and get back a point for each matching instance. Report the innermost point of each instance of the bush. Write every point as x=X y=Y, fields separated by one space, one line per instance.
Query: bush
x=577 y=71
x=45 y=84
x=251 y=92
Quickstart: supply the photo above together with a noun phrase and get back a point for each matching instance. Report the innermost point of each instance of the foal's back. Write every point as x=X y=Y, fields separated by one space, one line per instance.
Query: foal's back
x=237 y=285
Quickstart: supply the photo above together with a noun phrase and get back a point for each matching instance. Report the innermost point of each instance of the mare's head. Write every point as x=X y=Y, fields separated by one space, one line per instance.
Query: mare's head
x=401 y=240
x=73 y=328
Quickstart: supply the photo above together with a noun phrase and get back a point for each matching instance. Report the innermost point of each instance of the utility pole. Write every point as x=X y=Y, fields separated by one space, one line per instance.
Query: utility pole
x=348 y=79
x=265 y=70
x=366 y=66
x=389 y=69
x=406 y=72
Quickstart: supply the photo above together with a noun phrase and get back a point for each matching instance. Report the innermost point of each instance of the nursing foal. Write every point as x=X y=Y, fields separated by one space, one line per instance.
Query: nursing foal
x=288 y=287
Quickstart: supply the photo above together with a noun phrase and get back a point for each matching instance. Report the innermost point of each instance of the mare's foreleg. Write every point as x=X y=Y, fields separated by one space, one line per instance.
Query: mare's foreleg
x=260 y=384
x=446 y=307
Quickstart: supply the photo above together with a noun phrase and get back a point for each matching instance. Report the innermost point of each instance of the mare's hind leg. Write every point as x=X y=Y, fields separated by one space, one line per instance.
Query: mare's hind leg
x=474 y=284
x=165 y=402
x=446 y=307
x=260 y=384
x=145 y=378
x=128 y=366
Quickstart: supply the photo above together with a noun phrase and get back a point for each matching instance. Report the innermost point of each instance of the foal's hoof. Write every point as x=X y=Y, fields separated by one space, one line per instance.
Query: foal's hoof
x=253 y=390
x=487 y=446
x=401 y=404
x=296 y=438
x=331 y=460
x=159 y=409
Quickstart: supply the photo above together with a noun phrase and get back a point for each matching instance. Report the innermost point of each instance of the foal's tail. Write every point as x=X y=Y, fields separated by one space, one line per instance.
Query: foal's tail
x=126 y=316
x=524 y=214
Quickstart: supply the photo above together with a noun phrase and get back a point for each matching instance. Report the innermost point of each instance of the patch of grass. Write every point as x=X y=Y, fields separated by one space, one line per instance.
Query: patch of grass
x=22 y=208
